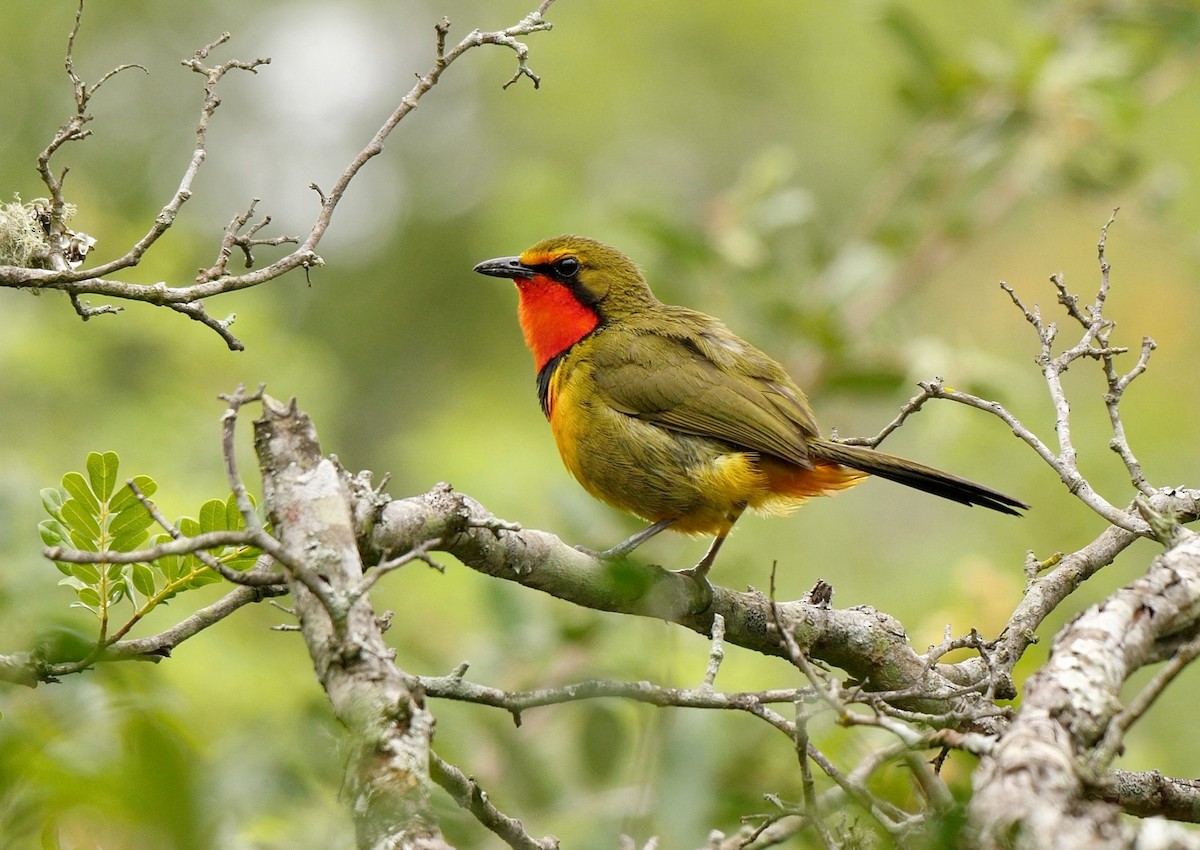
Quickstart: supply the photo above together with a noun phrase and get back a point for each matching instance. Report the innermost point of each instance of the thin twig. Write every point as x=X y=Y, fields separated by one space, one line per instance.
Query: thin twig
x=253 y=578
x=456 y=687
x=910 y=407
x=467 y=793
x=419 y=552
x=254 y=527
x=1064 y=464
x=811 y=809
x=181 y=546
x=888 y=816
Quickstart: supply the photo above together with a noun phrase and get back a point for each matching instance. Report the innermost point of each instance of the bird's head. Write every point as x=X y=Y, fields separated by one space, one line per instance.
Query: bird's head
x=569 y=286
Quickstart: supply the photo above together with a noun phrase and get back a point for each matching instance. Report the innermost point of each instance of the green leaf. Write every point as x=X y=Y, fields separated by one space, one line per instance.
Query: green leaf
x=203 y=577
x=77 y=488
x=102 y=470
x=242 y=558
x=188 y=526
x=234 y=520
x=168 y=565
x=83 y=542
x=212 y=516
x=133 y=520
x=129 y=540
x=89 y=597
x=89 y=574
x=125 y=496
x=190 y=565
x=53 y=532
x=52 y=499
x=143 y=579
x=79 y=519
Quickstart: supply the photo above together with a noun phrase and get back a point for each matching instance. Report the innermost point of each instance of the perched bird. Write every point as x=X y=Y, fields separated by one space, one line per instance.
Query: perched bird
x=664 y=413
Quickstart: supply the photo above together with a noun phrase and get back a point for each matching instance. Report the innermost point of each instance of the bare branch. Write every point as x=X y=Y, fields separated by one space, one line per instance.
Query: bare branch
x=811 y=809
x=255 y=530
x=913 y=405
x=717 y=654
x=85 y=310
x=195 y=310
x=180 y=546
x=1094 y=343
x=420 y=552
x=215 y=280
x=868 y=644
x=467 y=793
x=1063 y=463
x=30 y=669
x=1099 y=330
x=1114 y=735
x=516 y=703
x=160 y=645
x=531 y=23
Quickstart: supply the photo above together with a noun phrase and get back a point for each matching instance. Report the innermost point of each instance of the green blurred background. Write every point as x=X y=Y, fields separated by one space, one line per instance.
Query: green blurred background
x=844 y=184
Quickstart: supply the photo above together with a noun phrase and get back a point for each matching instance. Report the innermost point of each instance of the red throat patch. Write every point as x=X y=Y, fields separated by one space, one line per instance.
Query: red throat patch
x=552 y=318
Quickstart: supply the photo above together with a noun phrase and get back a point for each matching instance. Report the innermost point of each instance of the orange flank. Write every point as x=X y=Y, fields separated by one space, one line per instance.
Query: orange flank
x=792 y=485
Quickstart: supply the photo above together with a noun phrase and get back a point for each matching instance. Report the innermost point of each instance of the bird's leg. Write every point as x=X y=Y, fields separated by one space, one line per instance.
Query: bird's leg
x=699 y=573
x=701 y=569
x=626 y=546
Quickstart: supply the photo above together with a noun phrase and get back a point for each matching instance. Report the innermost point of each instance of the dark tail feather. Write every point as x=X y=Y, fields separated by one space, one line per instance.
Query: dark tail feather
x=916 y=475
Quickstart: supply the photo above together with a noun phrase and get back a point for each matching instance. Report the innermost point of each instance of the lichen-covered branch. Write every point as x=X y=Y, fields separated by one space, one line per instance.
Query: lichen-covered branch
x=1031 y=791
x=868 y=644
x=389 y=726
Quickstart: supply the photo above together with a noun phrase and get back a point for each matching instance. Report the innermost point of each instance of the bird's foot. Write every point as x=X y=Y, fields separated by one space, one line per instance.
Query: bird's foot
x=699 y=575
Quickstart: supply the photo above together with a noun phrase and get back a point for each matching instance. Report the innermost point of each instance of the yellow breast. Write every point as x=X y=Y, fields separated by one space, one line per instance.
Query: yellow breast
x=647 y=470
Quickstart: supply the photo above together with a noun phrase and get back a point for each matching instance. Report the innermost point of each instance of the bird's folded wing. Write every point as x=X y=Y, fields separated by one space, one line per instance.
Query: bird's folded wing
x=674 y=382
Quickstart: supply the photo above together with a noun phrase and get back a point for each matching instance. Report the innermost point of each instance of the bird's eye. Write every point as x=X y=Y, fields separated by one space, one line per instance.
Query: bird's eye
x=567 y=267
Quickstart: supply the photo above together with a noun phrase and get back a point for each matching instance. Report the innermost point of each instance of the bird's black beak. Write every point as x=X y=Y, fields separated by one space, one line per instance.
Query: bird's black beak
x=510 y=267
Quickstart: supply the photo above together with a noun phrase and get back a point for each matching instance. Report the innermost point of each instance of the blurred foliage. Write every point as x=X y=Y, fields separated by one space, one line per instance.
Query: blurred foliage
x=842 y=183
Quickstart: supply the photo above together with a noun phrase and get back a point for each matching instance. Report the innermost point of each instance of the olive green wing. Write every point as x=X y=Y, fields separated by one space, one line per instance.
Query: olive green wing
x=707 y=386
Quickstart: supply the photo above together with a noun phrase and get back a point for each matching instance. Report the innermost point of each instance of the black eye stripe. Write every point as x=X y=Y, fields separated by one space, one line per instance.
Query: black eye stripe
x=565 y=270
x=566 y=267
x=569 y=277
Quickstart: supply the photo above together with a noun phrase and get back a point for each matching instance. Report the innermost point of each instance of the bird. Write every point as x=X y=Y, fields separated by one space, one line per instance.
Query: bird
x=664 y=413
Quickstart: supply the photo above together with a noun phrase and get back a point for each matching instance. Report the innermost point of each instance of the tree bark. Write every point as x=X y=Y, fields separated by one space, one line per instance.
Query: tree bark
x=1033 y=791
x=385 y=715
